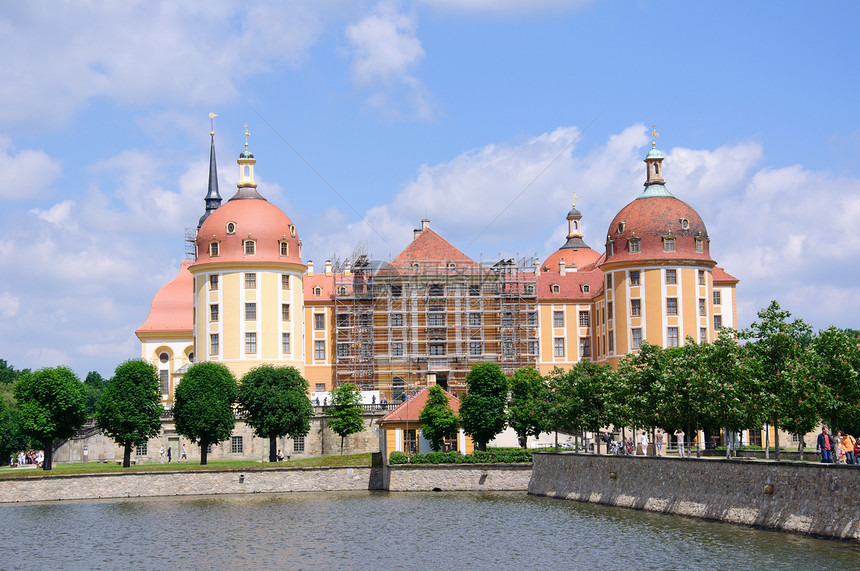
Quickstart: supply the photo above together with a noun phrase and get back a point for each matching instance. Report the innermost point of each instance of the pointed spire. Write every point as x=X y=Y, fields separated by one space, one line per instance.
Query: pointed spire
x=247 y=188
x=655 y=184
x=213 y=197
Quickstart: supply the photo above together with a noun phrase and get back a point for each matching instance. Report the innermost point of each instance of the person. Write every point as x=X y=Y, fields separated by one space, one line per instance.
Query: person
x=658 y=442
x=169 y=455
x=825 y=445
x=606 y=440
x=847 y=445
x=280 y=455
x=161 y=454
x=679 y=434
x=643 y=442
x=184 y=456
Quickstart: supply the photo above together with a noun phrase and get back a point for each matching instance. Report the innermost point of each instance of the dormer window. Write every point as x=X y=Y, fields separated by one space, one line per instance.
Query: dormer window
x=341 y=290
x=231 y=227
x=250 y=247
x=668 y=243
x=285 y=248
x=317 y=291
x=685 y=224
x=214 y=250
x=633 y=246
x=586 y=288
x=699 y=245
x=293 y=230
x=415 y=265
x=610 y=247
x=555 y=288
x=621 y=226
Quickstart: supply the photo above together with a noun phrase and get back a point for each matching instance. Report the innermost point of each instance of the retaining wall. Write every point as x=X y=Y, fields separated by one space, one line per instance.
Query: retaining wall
x=458 y=477
x=806 y=498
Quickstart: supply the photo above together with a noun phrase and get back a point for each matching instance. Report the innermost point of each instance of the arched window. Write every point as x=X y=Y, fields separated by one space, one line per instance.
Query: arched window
x=555 y=288
x=285 y=248
x=250 y=247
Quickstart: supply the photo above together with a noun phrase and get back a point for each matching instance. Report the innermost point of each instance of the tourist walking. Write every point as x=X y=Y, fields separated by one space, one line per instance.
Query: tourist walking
x=169 y=454
x=658 y=442
x=679 y=435
x=847 y=443
x=184 y=455
x=161 y=454
x=643 y=443
x=825 y=445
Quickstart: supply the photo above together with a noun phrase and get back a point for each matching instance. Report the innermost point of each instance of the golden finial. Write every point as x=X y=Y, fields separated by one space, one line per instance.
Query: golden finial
x=247 y=134
x=573 y=200
x=654 y=135
x=212 y=124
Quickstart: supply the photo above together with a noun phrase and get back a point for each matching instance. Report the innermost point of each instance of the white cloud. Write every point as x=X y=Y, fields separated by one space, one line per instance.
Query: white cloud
x=143 y=52
x=59 y=214
x=9 y=304
x=28 y=174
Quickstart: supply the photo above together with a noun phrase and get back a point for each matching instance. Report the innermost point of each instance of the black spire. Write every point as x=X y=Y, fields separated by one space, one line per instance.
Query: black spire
x=213 y=198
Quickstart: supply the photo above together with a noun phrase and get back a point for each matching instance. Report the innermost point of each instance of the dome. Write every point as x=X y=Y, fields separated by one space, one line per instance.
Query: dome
x=649 y=220
x=238 y=221
x=573 y=258
x=173 y=306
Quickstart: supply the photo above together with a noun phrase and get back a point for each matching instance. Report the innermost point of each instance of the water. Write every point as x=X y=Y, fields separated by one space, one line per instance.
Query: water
x=380 y=530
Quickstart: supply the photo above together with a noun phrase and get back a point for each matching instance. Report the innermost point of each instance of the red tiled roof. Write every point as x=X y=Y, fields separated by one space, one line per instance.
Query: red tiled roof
x=411 y=409
x=570 y=285
x=172 y=307
x=573 y=257
x=720 y=275
x=432 y=253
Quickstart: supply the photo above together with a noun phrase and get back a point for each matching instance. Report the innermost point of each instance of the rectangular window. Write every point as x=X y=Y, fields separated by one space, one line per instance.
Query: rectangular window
x=558 y=346
x=533 y=347
x=285 y=281
x=474 y=319
x=634 y=277
x=343 y=320
x=584 y=318
x=436 y=319
x=532 y=318
x=319 y=321
x=699 y=246
x=141 y=448
x=397 y=320
x=475 y=348
x=285 y=342
x=718 y=322
x=213 y=312
x=507 y=319
x=250 y=247
x=213 y=281
x=671 y=276
x=396 y=291
x=343 y=349
x=672 y=337
x=236 y=446
x=635 y=307
x=364 y=320
x=319 y=350
x=611 y=338
x=718 y=297
x=668 y=244
x=213 y=250
x=299 y=444
x=250 y=342
x=285 y=248
x=609 y=310
x=437 y=349
x=410 y=441
x=584 y=347
x=558 y=319
x=671 y=306
x=608 y=281
x=397 y=349
x=437 y=290
x=508 y=348
x=250 y=281
x=164 y=377
x=366 y=349
x=250 y=311
x=319 y=387
x=633 y=246
x=703 y=309
x=636 y=337
x=703 y=334
x=474 y=290
x=701 y=277
x=285 y=311
x=214 y=344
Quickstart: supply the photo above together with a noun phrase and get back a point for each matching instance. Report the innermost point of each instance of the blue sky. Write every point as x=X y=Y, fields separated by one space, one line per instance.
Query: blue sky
x=367 y=116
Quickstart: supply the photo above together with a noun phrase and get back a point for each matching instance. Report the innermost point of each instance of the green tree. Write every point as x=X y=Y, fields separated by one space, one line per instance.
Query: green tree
x=482 y=410
x=11 y=439
x=777 y=350
x=563 y=405
x=203 y=405
x=592 y=384
x=130 y=407
x=94 y=385
x=837 y=369
x=345 y=411
x=275 y=403
x=51 y=402
x=8 y=376
x=527 y=410
x=438 y=420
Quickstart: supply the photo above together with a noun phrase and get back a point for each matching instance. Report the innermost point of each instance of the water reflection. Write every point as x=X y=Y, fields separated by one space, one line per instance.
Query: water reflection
x=371 y=530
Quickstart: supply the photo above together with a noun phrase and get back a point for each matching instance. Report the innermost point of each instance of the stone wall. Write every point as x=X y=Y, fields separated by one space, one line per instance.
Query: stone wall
x=807 y=498
x=185 y=483
x=458 y=477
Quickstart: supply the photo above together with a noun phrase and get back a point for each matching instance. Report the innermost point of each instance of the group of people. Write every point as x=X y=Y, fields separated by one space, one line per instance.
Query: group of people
x=839 y=449
x=183 y=456
x=30 y=457
x=643 y=442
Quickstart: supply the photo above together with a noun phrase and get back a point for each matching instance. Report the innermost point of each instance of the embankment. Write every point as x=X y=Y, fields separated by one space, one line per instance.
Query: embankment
x=805 y=498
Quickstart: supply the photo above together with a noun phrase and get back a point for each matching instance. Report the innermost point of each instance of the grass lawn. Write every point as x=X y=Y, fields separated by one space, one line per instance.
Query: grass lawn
x=102 y=468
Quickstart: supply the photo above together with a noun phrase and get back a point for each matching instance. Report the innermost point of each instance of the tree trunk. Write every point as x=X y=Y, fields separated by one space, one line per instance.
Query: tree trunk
x=776 y=441
x=767 y=441
x=126 y=455
x=273 y=449
x=801 y=445
x=482 y=446
x=728 y=443
x=341 y=445
x=203 y=452
x=596 y=441
x=48 y=447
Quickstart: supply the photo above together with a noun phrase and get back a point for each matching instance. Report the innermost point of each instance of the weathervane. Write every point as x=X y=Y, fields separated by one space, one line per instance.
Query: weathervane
x=212 y=123
x=573 y=200
x=654 y=135
x=247 y=134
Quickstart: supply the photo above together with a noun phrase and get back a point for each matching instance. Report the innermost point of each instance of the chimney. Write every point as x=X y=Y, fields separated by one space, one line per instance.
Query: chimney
x=425 y=224
x=561 y=267
x=328 y=267
x=416 y=233
x=310 y=268
x=347 y=271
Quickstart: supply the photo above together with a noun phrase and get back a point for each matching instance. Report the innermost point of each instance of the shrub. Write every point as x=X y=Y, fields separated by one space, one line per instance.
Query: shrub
x=491 y=456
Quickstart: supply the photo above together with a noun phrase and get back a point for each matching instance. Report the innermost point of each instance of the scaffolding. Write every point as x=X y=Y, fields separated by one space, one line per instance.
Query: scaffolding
x=400 y=327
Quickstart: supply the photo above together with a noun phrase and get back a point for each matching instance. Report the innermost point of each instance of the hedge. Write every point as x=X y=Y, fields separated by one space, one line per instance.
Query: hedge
x=491 y=456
